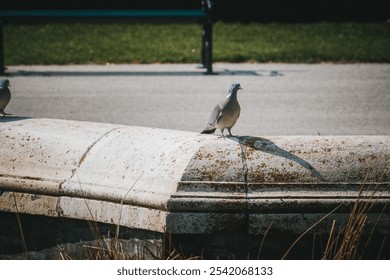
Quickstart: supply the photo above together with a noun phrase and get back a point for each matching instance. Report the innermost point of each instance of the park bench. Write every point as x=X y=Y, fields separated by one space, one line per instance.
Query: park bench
x=201 y=14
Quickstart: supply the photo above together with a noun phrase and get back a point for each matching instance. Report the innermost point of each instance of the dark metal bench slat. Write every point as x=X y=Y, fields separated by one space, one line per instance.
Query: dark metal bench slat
x=101 y=13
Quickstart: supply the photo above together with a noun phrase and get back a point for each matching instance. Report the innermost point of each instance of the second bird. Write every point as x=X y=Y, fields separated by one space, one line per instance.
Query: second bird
x=5 y=95
x=226 y=113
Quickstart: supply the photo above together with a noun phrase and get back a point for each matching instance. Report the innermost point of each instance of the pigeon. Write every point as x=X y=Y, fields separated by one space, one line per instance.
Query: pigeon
x=5 y=95
x=225 y=114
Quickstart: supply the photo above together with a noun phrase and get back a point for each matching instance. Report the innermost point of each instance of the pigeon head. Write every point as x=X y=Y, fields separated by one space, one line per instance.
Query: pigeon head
x=233 y=90
x=4 y=83
x=235 y=87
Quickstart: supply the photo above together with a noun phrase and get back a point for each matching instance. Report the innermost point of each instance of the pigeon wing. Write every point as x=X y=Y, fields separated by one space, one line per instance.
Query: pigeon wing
x=216 y=114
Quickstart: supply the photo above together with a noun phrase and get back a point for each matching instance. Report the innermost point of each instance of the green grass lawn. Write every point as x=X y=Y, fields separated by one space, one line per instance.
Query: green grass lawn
x=180 y=43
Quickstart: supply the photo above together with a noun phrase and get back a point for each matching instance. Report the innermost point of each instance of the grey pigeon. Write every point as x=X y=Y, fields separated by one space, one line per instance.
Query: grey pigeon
x=5 y=95
x=225 y=114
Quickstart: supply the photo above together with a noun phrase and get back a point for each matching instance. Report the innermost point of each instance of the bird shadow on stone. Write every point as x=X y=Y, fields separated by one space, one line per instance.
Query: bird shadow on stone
x=267 y=146
x=10 y=118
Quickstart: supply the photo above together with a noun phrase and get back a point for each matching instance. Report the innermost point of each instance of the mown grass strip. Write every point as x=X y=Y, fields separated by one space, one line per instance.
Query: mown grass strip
x=180 y=43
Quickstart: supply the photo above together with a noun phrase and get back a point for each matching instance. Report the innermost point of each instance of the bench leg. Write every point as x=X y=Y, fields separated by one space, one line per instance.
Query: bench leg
x=203 y=50
x=207 y=47
x=2 y=65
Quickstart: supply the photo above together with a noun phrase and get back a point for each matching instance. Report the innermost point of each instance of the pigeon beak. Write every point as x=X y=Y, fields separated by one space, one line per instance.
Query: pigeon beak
x=240 y=88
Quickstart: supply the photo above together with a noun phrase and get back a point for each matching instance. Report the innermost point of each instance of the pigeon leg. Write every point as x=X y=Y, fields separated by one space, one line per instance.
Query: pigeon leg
x=4 y=113
x=223 y=136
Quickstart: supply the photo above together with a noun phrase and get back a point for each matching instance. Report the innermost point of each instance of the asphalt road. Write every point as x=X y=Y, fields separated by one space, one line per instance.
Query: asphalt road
x=278 y=99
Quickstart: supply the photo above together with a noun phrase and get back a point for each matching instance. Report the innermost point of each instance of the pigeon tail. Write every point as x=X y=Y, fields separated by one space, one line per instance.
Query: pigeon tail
x=208 y=131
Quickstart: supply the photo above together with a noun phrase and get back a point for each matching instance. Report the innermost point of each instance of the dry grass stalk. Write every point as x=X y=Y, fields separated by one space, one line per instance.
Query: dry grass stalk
x=307 y=231
x=345 y=245
x=263 y=239
x=20 y=227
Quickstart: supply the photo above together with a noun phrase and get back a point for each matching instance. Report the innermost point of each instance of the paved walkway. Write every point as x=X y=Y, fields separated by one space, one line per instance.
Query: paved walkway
x=278 y=99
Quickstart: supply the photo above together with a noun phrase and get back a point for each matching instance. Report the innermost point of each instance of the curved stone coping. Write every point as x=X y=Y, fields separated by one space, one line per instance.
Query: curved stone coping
x=156 y=179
